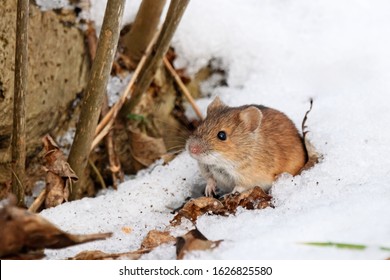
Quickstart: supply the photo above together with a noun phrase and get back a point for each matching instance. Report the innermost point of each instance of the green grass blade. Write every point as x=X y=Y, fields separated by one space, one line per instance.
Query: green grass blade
x=342 y=245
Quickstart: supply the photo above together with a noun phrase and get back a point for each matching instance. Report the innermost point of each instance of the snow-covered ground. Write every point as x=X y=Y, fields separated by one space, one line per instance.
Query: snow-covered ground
x=278 y=53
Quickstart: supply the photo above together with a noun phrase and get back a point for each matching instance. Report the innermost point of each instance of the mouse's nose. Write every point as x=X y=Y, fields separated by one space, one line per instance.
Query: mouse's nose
x=195 y=148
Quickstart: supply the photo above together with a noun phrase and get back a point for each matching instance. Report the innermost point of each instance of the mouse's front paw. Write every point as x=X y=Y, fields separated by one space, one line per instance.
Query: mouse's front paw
x=210 y=187
x=238 y=189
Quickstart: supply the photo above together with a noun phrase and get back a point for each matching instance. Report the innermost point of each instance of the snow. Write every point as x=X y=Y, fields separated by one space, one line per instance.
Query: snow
x=116 y=85
x=52 y=4
x=278 y=53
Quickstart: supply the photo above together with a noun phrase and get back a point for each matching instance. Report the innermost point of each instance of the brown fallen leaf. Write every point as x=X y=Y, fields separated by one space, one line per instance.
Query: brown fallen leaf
x=32 y=255
x=92 y=255
x=145 y=149
x=197 y=207
x=155 y=238
x=59 y=174
x=22 y=231
x=191 y=241
x=255 y=198
x=99 y=255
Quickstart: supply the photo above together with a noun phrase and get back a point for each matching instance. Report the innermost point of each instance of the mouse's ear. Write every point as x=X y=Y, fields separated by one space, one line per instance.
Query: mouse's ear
x=217 y=103
x=251 y=117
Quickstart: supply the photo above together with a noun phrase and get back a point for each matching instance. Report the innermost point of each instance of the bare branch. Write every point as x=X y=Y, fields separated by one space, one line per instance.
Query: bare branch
x=142 y=30
x=105 y=124
x=175 y=13
x=20 y=89
x=183 y=88
x=96 y=89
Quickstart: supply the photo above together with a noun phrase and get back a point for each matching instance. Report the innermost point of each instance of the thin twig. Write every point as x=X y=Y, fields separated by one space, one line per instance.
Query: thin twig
x=97 y=172
x=38 y=201
x=117 y=106
x=115 y=165
x=304 y=131
x=313 y=156
x=16 y=178
x=182 y=87
x=102 y=133
x=175 y=12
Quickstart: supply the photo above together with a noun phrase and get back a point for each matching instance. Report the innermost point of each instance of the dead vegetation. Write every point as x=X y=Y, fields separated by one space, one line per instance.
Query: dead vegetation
x=128 y=140
x=24 y=235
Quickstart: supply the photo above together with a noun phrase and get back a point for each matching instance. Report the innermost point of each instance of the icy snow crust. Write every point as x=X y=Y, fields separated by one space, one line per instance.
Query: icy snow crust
x=277 y=53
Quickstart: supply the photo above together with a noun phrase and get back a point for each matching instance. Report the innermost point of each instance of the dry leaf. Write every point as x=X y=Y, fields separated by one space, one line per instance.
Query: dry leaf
x=59 y=176
x=56 y=159
x=32 y=255
x=92 y=255
x=22 y=231
x=197 y=207
x=146 y=149
x=155 y=238
x=255 y=198
x=99 y=255
x=191 y=241
x=55 y=190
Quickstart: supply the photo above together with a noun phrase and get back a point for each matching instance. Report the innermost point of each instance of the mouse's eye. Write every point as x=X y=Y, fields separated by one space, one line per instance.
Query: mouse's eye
x=222 y=135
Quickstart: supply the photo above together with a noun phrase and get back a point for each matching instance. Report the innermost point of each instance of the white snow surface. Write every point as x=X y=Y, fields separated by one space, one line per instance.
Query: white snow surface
x=52 y=4
x=278 y=53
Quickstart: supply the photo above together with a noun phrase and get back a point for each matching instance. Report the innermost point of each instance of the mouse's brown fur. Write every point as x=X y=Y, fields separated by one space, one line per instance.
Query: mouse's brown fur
x=261 y=143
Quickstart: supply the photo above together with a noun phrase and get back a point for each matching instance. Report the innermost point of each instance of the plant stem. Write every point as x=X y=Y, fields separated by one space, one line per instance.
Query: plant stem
x=183 y=88
x=174 y=15
x=20 y=89
x=142 y=30
x=96 y=89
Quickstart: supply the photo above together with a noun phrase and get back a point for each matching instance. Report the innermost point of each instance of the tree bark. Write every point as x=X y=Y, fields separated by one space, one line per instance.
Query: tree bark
x=175 y=13
x=142 y=30
x=96 y=89
x=20 y=89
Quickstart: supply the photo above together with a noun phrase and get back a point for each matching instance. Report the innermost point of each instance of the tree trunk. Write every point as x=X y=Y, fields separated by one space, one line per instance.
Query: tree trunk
x=142 y=30
x=20 y=88
x=96 y=89
x=175 y=12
